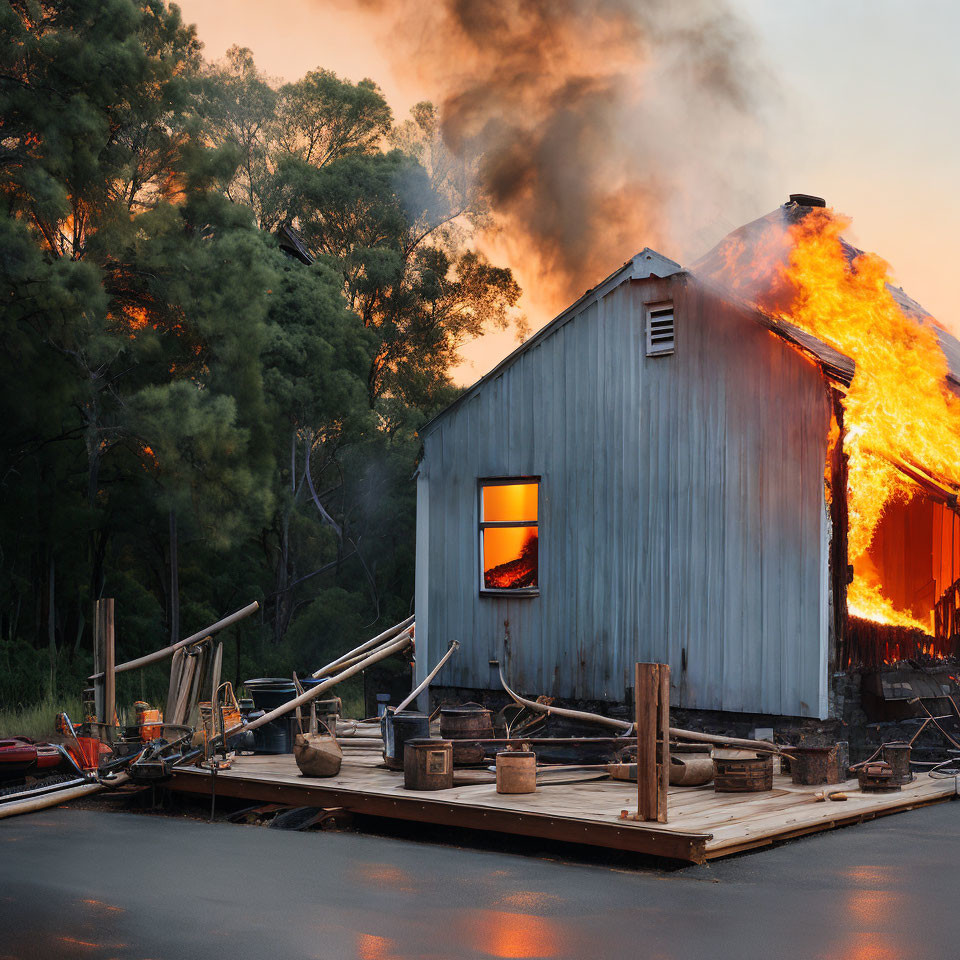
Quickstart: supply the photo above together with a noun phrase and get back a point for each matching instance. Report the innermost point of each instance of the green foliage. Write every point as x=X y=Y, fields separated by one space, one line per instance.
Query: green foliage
x=194 y=419
x=37 y=719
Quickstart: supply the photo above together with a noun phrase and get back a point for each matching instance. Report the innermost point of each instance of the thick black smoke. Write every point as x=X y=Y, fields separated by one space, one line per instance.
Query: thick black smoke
x=601 y=126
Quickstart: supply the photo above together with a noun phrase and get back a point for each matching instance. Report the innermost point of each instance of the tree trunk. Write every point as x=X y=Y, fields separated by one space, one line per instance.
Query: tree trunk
x=52 y=625
x=98 y=537
x=81 y=624
x=174 y=581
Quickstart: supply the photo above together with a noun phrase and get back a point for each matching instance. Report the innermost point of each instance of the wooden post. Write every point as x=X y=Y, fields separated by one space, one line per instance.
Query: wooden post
x=652 y=700
x=663 y=742
x=99 y=657
x=109 y=662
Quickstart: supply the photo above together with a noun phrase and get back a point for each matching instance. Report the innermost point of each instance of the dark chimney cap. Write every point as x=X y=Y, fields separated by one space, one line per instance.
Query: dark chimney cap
x=807 y=200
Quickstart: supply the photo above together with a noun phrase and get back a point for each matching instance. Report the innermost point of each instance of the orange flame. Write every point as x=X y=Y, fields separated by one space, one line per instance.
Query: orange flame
x=898 y=408
x=898 y=411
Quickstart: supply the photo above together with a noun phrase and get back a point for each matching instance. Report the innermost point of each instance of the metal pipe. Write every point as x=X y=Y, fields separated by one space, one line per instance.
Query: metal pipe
x=627 y=727
x=454 y=646
x=233 y=618
x=378 y=655
x=55 y=797
x=348 y=660
x=375 y=641
x=583 y=715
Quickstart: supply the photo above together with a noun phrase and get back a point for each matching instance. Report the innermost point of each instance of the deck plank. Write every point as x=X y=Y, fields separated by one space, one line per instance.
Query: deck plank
x=702 y=824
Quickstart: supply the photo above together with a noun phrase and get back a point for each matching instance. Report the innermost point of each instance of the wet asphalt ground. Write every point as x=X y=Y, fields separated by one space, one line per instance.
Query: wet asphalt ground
x=98 y=885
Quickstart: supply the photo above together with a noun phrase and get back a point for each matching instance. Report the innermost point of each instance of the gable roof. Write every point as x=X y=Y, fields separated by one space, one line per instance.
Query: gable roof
x=646 y=264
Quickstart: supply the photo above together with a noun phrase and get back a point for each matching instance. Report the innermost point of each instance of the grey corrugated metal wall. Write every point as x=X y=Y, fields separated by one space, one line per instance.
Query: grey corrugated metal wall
x=682 y=514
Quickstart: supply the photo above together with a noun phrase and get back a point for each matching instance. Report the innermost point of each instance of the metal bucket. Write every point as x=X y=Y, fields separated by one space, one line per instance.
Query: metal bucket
x=397 y=729
x=468 y=722
x=897 y=754
x=516 y=771
x=427 y=764
x=815 y=765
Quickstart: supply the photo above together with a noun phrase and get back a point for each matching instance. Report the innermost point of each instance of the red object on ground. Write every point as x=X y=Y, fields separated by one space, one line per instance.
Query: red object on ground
x=48 y=756
x=18 y=756
x=21 y=757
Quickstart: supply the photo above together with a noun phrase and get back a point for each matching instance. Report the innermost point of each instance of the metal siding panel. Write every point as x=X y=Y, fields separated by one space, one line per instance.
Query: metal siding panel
x=561 y=622
x=681 y=509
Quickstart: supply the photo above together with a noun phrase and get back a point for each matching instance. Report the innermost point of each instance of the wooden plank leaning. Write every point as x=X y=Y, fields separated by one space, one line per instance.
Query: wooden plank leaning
x=234 y=617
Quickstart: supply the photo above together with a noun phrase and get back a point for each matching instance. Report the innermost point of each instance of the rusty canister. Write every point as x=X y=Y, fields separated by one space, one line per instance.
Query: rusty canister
x=814 y=765
x=897 y=754
x=427 y=764
x=471 y=721
x=516 y=771
x=742 y=771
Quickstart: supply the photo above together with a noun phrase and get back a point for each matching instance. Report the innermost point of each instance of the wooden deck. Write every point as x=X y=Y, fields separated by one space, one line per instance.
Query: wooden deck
x=702 y=824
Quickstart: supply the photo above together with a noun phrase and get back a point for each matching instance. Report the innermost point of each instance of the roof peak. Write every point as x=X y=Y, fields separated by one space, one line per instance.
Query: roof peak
x=649 y=263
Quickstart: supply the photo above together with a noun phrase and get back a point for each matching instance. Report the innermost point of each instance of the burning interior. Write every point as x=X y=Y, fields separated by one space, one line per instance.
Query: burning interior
x=893 y=470
x=509 y=534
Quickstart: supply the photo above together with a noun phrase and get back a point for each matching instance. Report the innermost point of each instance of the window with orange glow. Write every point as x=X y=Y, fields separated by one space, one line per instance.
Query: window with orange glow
x=509 y=535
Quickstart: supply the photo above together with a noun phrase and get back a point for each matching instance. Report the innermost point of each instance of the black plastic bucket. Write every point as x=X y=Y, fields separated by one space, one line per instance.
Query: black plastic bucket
x=276 y=736
x=270 y=692
x=397 y=729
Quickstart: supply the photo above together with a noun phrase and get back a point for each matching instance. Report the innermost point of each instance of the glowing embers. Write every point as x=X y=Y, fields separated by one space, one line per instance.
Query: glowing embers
x=509 y=534
x=911 y=563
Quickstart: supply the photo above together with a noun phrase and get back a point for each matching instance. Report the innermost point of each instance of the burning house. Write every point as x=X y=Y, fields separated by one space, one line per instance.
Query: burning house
x=747 y=469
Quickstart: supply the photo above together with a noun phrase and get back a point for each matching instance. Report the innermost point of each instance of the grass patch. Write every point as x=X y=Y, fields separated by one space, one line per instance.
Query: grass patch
x=37 y=721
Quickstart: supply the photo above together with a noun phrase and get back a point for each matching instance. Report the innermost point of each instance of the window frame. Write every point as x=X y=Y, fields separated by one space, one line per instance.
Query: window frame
x=648 y=310
x=482 y=525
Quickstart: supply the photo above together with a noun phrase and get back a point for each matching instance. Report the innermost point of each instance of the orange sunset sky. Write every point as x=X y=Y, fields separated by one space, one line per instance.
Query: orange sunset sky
x=860 y=110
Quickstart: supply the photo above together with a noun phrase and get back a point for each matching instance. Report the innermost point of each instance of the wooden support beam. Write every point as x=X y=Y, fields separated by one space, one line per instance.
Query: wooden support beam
x=99 y=657
x=663 y=741
x=652 y=701
x=109 y=664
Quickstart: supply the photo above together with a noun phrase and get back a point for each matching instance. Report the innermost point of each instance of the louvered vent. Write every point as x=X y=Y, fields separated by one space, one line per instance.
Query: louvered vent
x=660 y=329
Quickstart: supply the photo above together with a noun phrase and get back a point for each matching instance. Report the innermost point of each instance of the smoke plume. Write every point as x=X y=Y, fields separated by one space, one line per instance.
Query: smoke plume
x=598 y=126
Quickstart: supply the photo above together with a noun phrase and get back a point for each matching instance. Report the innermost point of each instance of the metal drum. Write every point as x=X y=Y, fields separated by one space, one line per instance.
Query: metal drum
x=427 y=764
x=397 y=729
x=469 y=722
x=736 y=771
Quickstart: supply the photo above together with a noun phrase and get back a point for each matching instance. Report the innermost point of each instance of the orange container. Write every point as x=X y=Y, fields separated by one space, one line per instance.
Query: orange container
x=146 y=716
x=88 y=754
x=231 y=718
